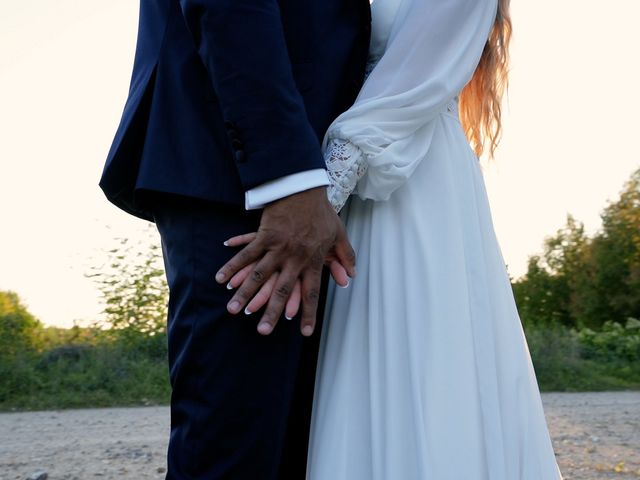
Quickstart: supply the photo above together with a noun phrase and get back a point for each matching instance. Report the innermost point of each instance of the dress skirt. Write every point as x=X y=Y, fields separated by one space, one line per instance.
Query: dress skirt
x=424 y=371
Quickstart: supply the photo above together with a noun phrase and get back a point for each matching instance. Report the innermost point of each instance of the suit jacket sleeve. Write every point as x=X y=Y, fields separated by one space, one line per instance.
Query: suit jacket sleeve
x=242 y=45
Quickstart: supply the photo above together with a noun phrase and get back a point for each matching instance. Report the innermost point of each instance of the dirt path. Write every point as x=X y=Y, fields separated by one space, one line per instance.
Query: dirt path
x=594 y=434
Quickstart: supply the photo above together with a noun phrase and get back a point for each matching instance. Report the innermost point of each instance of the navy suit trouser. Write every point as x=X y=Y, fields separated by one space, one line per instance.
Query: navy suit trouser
x=240 y=402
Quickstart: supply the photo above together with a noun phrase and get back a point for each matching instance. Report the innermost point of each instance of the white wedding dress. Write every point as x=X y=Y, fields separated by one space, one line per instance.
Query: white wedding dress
x=424 y=371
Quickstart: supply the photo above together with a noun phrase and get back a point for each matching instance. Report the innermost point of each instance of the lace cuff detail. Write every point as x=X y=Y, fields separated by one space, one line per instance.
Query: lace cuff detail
x=346 y=164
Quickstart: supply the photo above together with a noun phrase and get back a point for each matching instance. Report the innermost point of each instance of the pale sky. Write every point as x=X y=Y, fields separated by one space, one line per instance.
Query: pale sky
x=570 y=134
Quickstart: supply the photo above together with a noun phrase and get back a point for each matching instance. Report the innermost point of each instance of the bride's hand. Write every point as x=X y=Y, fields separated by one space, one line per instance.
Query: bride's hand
x=261 y=298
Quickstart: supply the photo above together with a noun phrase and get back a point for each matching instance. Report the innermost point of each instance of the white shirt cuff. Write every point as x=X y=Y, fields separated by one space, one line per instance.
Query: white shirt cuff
x=282 y=187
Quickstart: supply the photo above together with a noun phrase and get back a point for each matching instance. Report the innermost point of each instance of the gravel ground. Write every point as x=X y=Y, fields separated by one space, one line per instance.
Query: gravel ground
x=595 y=435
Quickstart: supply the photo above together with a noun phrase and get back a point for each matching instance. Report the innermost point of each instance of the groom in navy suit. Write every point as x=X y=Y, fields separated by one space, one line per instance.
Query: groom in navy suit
x=220 y=135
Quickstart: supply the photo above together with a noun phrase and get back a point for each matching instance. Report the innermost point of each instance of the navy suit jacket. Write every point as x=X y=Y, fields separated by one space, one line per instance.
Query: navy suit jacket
x=228 y=94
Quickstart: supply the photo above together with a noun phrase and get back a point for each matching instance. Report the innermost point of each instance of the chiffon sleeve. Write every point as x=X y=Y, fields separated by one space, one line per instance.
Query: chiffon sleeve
x=431 y=53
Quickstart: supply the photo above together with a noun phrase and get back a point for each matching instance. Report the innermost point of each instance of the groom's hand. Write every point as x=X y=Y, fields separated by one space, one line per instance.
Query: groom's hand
x=297 y=234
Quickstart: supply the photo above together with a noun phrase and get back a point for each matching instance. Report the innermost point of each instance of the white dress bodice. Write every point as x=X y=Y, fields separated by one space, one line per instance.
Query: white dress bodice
x=422 y=54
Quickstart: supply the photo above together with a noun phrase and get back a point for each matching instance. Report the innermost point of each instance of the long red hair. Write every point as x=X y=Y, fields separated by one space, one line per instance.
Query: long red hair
x=480 y=99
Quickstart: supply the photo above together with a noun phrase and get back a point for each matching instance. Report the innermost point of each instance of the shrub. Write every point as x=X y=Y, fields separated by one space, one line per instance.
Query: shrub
x=613 y=343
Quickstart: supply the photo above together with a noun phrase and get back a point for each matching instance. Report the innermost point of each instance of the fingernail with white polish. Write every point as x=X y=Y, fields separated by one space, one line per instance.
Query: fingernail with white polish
x=229 y=286
x=264 y=328
x=344 y=286
x=226 y=243
x=288 y=317
x=247 y=311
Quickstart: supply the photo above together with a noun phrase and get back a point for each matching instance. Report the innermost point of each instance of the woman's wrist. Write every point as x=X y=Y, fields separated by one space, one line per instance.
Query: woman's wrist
x=346 y=164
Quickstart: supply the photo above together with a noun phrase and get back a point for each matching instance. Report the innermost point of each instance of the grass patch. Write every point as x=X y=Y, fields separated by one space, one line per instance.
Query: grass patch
x=77 y=376
x=565 y=361
x=109 y=371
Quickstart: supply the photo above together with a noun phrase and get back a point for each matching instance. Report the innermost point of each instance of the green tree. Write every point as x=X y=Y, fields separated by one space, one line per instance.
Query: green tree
x=19 y=330
x=611 y=290
x=535 y=295
x=585 y=282
x=545 y=294
x=134 y=289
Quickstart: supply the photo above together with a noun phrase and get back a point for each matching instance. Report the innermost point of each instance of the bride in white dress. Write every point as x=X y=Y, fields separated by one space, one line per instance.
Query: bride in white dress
x=424 y=371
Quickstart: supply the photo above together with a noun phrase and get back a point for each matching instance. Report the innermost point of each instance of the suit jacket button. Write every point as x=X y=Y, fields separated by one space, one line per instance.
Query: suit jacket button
x=240 y=156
